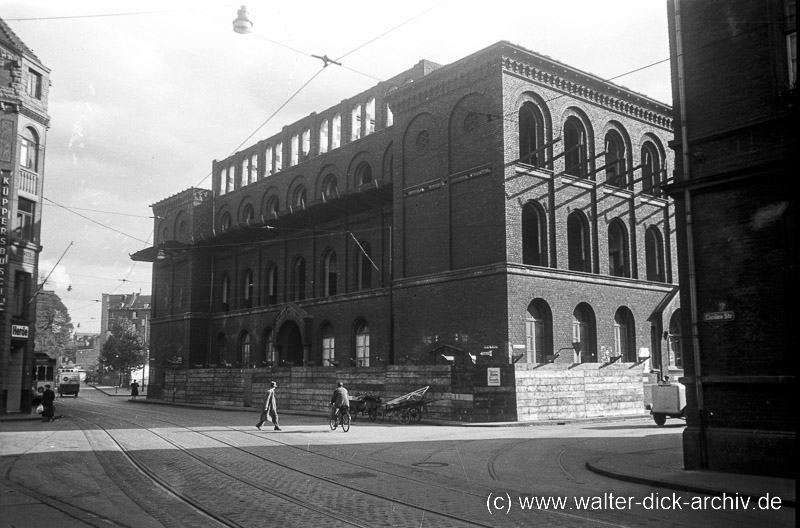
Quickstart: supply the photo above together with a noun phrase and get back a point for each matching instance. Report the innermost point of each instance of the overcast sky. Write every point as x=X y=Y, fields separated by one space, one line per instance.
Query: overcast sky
x=146 y=94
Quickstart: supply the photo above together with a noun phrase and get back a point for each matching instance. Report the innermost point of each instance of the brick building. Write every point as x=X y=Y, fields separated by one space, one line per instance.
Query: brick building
x=24 y=89
x=734 y=83
x=502 y=210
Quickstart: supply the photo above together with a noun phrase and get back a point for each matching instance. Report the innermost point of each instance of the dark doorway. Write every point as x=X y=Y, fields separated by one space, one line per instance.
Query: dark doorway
x=290 y=344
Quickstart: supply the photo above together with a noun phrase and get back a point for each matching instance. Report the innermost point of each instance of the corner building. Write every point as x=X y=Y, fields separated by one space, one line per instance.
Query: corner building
x=505 y=210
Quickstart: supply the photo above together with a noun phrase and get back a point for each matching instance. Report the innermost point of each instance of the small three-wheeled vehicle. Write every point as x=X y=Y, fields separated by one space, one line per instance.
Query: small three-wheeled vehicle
x=669 y=401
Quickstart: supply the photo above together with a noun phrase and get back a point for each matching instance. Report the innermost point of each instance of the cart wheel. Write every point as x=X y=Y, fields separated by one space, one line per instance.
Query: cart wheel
x=415 y=415
x=404 y=417
x=373 y=414
x=346 y=422
x=333 y=423
x=660 y=419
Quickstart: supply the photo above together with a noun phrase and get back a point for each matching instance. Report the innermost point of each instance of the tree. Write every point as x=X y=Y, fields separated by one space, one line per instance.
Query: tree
x=123 y=350
x=53 y=326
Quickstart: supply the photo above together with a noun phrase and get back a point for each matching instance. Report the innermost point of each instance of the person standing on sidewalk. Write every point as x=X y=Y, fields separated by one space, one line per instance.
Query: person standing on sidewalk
x=48 y=402
x=270 y=408
x=134 y=390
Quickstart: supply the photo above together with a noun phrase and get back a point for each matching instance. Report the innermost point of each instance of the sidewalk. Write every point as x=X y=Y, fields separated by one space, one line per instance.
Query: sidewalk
x=662 y=468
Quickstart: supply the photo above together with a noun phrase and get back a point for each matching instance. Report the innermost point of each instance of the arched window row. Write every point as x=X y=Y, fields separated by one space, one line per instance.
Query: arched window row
x=541 y=348
x=619 y=167
x=535 y=244
x=244 y=352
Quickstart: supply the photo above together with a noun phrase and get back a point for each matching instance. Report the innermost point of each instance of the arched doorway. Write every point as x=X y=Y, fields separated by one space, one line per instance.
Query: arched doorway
x=289 y=344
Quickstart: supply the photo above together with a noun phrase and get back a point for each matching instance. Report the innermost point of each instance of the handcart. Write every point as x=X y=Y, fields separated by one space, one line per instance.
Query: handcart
x=365 y=405
x=408 y=408
x=669 y=401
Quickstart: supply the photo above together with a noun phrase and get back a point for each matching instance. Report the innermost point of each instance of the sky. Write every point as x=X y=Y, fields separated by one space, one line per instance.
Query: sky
x=146 y=94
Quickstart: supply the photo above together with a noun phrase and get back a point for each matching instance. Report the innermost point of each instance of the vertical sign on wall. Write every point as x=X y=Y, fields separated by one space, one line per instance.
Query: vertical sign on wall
x=5 y=192
x=493 y=377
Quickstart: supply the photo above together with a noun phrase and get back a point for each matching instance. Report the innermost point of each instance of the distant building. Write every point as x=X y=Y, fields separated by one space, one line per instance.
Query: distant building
x=506 y=209
x=24 y=89
x=735 y=92
x=132 y=307
x=86 y=351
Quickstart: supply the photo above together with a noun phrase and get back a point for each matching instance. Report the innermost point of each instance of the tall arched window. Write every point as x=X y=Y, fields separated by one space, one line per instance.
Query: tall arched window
x=534 y=235
x=248 y=214
x=370 y=115
x=225 y=221
x=225 y=290
x=247 y=288
x=578 y=244
x=531 y=135
x=299 y=279
x=538 y=332
x=244 y=349
x=299 y=198
x=363 y=266
x=324 y=134
x=269 y=356
x=362 y=344
x=29 y=150
x=272 y=284
x=575 y=148
x=583 y=333
x=330 y=188
x=363 y=173
x=272 y=207
x=615 y=160
x=651 y=170
x=624 y=335
x=618 y=255
x=269 y=167
x=336 y=131
x=355 y=123
x=330 y=274
x=654 y=254
x=674 y=344
x=328 y=346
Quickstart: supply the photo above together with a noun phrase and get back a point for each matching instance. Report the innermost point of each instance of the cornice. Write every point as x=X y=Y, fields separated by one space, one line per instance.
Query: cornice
x=589 y=89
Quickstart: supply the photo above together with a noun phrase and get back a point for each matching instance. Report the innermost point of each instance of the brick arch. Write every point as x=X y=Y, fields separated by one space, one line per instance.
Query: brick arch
x=469 y=120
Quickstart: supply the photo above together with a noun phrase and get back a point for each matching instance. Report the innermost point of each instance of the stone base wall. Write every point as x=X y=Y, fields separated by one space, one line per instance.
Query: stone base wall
x=588 y=390
x=526 y=393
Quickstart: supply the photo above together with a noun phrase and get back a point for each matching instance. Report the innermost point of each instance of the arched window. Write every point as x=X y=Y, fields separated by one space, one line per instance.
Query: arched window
x=269 y=168
x=279 y=156
x=330 y=274
x=248 y=214
x=272 y=284
x=624 y=335
x=675 y=346
x=618 y=255
x=299 y=279
x=575 y=148
x=336 y=131
x=578 y=245
x=294 y=153
x=225 y=221
x=651 y=170
x=355 y=123
x=363 y=266
x=363 y=173
x=269 y=356
x=244 y=175
x=330 y=188
x=654 y=254
x=538 y=332
x=328 y=346
x=29 y=150
x=247 y=288
x=531 y=135
x=324 y=134
x=299 y=198
x=244 y=349
x=225 y=290
x=583 y=332
x=615 y=160
x=253 y=168
x=370 y=111
x=534 y=235
x=272 y=207
x=222 y=349
x=362 y=344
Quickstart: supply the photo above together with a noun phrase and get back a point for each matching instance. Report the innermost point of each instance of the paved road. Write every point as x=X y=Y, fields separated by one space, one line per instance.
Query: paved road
x=112 y=462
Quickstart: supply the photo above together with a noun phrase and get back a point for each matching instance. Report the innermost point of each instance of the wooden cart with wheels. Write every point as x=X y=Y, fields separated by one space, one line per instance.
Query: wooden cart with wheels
x=407 y=408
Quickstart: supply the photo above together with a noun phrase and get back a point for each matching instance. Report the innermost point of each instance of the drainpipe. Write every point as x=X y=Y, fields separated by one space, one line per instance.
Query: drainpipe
x=698 y=377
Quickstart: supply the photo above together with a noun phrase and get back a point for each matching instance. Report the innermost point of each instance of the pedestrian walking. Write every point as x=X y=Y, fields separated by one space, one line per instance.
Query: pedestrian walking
x=48 y=402
x=270 y=409
x=134 y=390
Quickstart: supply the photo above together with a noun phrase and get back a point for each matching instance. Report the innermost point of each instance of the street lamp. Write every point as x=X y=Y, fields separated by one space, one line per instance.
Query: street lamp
x=242 y=24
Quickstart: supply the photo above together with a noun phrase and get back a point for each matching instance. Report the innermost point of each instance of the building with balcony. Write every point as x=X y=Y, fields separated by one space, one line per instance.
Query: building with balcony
x=24 y=87
x=735 y=87
x=506 y=209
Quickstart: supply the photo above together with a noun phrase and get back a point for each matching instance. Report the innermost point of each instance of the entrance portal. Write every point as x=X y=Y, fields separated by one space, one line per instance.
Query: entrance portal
x=289 y=344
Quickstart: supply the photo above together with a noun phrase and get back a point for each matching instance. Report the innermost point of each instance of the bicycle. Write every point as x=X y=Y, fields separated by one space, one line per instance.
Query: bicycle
x=341 y=417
